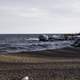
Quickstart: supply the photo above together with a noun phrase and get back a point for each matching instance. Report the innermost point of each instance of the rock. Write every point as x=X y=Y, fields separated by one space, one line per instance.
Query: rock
x=25 y=78
x=43 y=38
x=76 y=43
x=51 y=39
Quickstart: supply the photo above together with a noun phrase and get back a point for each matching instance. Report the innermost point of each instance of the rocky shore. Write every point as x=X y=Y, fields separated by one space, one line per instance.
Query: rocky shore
x=61 y=64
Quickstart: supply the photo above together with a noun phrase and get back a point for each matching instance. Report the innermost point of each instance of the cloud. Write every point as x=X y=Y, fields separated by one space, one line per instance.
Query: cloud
x=39 y=16
x=32 y=12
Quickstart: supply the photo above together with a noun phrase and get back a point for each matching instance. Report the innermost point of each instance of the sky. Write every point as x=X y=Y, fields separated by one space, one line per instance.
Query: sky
x=39 y=16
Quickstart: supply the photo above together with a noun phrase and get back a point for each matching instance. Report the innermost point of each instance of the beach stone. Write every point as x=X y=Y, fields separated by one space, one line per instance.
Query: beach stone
x=76 y=43
x=25 y=78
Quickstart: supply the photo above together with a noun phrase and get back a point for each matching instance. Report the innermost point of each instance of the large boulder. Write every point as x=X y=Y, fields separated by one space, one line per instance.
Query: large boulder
x=43 y=38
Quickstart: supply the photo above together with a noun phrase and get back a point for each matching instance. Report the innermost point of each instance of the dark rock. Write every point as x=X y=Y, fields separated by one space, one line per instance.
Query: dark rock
x=43 y=38
x=76 y=43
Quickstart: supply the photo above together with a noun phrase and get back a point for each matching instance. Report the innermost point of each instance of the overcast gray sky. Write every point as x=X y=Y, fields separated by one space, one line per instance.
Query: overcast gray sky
x=39 y=16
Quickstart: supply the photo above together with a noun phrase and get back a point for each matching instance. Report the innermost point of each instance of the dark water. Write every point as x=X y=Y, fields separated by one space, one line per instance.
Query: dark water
x=27 y=42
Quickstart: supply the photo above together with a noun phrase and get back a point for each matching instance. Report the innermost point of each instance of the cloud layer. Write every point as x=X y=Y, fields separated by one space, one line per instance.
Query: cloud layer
x=39 y=16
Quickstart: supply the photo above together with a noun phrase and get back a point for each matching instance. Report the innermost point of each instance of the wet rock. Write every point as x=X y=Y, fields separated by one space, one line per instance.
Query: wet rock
x=76 y=43
x=43 y=38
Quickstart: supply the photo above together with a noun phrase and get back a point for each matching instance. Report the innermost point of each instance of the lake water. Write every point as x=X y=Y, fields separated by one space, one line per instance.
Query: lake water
x=11 y=43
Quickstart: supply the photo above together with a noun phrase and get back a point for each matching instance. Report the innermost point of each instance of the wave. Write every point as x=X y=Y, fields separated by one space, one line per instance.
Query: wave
x=32 y=46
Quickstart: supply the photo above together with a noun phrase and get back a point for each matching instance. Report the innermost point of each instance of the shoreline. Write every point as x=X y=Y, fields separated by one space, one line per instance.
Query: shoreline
x=57 y=55
x=42 y=65
x=69 y=52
